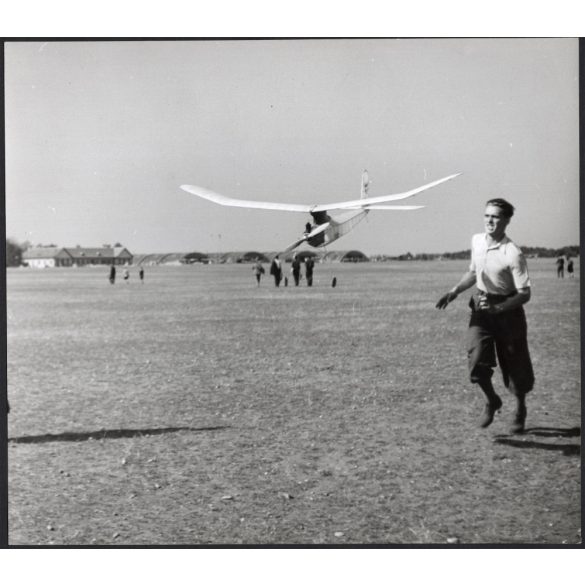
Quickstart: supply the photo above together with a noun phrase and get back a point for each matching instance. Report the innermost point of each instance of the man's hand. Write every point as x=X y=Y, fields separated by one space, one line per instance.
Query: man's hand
x=495 y=309
x=484 y=304
x=446 y=299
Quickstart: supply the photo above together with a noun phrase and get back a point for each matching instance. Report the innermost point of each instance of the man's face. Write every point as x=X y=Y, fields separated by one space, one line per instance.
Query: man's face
x=495 y=222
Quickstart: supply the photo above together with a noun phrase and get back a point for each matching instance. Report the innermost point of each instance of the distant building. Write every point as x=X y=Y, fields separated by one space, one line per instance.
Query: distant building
x=345 y=256
x=195 y=257
x=253 y=257
x=95 y=256
x=46 y=257
x=54 y=257
x=354 y=256
x=172 y=259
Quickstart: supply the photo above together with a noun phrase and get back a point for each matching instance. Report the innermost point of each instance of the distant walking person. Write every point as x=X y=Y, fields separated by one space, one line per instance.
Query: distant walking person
x=560 y=267
x=112 y=274
x=258 y=270
x=498 y=324
x=296 y=269
x=141 y=274
x=570 y=268
x=309 y=265
x=126 y=274
x=276 y=270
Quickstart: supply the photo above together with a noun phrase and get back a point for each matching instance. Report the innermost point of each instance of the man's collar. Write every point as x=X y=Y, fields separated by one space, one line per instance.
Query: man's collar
x=495 y=245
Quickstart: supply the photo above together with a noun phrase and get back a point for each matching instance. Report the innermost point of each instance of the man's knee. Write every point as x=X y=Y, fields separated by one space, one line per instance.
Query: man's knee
x=479 y=373
x=521 y=382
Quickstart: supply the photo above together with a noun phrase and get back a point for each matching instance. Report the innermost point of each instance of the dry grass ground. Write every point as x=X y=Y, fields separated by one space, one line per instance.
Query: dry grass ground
x=199 y=409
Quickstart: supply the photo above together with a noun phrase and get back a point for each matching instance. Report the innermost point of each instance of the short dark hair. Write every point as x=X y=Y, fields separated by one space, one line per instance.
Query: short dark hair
x=507 y=208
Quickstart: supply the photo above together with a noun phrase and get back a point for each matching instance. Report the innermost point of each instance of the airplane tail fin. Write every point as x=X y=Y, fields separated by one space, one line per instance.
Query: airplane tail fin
x=365 y=184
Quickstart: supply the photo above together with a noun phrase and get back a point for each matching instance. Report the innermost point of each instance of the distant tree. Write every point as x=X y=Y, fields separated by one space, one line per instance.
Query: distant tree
x=461 y=255
x=572 y=251
x=118 y=245
x=13 y=253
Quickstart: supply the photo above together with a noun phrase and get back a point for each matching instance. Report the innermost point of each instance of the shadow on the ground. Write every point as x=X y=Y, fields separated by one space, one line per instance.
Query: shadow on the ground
x=108 y=434
x=553 y=432
x=547 y=432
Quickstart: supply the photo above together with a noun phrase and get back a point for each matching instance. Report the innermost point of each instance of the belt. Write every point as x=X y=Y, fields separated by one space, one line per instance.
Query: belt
x=494 y=297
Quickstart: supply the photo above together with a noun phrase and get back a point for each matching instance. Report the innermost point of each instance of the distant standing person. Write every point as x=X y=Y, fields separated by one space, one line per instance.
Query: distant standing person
x=296 y=269
x=141 y=274
x=258 y=270
x=570 y=268
x=276 y=270
x=309 y=265
x=112 y=274
x=560 y=267
x=126 y=274
x=498 y=324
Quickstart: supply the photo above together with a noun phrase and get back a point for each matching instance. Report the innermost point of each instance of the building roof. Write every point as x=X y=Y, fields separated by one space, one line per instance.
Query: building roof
x=41 y=253
x=167 y=258
x=343 y=255
x=103 y=252
x=49 y=252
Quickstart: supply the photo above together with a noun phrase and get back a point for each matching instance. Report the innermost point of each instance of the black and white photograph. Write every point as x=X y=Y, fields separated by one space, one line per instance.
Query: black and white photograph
x=313 y=292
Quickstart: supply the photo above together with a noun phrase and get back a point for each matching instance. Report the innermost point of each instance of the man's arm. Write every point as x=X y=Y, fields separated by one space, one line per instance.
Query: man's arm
x=521 y=297
x=521 y=282
x=467 y=281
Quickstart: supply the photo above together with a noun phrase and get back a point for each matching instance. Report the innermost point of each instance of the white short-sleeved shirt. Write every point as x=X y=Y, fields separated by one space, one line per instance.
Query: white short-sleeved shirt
x=500 y=268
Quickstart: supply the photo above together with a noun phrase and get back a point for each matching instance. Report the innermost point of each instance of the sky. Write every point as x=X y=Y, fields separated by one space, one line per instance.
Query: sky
x=100 y=136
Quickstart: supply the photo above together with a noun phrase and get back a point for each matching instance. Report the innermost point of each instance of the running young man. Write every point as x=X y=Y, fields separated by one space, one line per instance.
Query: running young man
x=498 y=324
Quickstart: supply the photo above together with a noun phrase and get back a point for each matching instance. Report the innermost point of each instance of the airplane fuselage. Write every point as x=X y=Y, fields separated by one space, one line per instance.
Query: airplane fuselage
x=328 y=229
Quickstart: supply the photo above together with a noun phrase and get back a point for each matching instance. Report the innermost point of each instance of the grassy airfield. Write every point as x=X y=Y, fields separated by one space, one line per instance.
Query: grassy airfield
x=197 y=408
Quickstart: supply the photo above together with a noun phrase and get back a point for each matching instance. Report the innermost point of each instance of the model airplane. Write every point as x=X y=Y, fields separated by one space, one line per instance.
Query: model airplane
x=324 y=228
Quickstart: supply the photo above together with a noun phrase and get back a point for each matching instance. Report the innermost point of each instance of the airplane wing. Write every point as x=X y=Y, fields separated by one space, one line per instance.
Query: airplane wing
x=389 y=207
x=366 y=203
x=369 y=202
x=223 y=200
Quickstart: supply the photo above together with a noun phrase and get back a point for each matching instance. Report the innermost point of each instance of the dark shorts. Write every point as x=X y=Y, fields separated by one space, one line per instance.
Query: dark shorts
x=505 y=336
